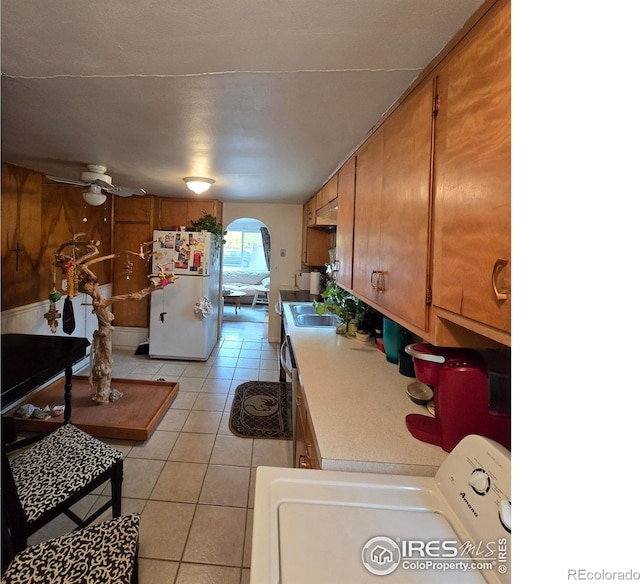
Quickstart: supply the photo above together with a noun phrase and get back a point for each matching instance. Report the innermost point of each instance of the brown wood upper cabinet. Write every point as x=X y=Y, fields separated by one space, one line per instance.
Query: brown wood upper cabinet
x=134 y=210
x=326 y=203
x=392 y=211
x=327 y=194
x=472 y=180
x=344 y=230
x=315 y=238
x=309 y=212
x=181 y=212
x=315 y=246
x=315 y=242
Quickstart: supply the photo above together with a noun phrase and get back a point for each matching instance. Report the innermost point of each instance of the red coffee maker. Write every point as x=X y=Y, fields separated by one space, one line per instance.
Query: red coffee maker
x=462 y=400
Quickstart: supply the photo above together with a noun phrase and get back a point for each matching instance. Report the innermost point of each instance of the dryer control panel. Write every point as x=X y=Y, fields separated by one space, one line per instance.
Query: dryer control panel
x=475 y=479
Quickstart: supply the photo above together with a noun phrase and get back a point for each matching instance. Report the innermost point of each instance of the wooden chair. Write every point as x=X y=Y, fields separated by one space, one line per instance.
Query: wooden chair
x=105 y=553
x=51 y=476
x=261 y=296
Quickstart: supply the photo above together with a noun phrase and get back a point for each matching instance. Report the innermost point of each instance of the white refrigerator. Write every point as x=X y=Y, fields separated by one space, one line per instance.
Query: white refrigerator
x=184 y=317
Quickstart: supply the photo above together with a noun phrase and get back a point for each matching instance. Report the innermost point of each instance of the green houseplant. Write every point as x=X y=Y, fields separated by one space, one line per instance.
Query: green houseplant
x=344 y=305
x=209 y=223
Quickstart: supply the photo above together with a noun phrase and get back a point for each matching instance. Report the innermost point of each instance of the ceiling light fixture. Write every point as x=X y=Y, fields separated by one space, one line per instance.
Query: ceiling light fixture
x=198 y=184
x=94 y=196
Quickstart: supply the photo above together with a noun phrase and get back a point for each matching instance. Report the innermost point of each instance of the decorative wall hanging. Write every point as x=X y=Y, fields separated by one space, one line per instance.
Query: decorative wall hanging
x=203 y=308
x=54 y=295
x=68 y=319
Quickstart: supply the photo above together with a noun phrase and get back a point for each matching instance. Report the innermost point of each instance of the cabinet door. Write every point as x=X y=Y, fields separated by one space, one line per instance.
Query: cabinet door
x=316 y=252
x=132 y=209
x=306 y=455
x=310 y=210
x=472 y=252
x=129 y=236
x=406 y=215
x=344 y=229
x=328 y=193
x=368 y=217
x=195 y=210
x=301 y=439
x=132 y=226
x=392 y=211
x=172 y=214
x=305 y=229
x=326 y=201
x=177 y=212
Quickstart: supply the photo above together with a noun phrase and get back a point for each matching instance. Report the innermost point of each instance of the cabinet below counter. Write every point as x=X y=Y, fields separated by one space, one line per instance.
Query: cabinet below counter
x=357 y=404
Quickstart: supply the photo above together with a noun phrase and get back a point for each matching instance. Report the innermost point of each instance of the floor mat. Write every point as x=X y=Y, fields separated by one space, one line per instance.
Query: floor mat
x=262 y=409
x=245 y=314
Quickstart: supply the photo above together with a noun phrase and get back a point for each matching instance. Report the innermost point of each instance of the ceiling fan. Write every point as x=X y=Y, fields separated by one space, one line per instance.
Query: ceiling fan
x=99 y=183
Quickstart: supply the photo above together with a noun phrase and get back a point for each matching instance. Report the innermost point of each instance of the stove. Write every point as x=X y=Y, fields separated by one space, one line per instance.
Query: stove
x=321 y=527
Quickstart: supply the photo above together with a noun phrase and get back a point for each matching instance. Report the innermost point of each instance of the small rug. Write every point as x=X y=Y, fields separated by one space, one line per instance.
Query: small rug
x=262 y=409
x=245 y=314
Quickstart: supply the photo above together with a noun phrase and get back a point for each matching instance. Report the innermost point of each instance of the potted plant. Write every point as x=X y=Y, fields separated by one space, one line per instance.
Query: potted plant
x=344 y=305
x=209 y=223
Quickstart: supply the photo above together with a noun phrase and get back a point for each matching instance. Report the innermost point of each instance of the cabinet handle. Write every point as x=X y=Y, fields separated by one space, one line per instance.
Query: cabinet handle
x=377 y=280
x=304 y=462
x=283 y=358
x=336 y=266
x=497 y=267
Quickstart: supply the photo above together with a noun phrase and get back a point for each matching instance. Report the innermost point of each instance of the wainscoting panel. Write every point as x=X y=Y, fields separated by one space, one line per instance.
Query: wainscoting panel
x=29 y=319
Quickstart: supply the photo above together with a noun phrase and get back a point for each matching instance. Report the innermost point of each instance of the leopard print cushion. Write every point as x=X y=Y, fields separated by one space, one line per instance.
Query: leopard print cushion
x=98 y=554
x=58 y=466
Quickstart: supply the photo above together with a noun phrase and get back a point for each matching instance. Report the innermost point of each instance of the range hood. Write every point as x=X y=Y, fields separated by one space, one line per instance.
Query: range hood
x=328 y=215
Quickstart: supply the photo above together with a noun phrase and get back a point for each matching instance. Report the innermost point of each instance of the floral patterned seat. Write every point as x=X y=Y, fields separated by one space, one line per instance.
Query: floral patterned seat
x=105 y=553
x=52 y=475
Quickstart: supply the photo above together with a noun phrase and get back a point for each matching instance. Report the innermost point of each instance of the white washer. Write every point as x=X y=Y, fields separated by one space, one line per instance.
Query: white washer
x=328 y=527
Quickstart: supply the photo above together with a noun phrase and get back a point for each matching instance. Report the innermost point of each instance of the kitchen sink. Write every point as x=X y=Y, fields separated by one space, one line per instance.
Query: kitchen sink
x=302 y=309
x=316 y=320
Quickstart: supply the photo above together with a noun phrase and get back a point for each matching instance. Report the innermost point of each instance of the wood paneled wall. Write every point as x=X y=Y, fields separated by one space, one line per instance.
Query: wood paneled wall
x=36 y=219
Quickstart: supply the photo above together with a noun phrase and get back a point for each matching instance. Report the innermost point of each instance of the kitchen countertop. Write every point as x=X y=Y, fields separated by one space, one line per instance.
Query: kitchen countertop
x=357 y=402
x=294 y=295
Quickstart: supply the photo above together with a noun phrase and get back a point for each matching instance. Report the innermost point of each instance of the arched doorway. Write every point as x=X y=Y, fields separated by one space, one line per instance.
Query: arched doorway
x=246 y=275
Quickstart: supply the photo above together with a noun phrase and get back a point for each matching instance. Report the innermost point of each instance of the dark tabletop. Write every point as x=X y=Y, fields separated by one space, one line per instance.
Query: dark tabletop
x=29 y=361
x=298 y=296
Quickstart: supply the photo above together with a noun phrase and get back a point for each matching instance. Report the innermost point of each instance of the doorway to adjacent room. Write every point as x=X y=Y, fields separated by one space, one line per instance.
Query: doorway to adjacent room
x=246 y=272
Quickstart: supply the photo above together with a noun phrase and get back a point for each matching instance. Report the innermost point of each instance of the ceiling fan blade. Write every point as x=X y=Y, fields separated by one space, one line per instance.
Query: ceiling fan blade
x=124 y=191
x=66 y=181
x=102 y=183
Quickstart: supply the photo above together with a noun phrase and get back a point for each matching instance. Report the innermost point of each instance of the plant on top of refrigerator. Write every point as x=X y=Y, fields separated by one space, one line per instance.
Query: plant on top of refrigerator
x=209 y=223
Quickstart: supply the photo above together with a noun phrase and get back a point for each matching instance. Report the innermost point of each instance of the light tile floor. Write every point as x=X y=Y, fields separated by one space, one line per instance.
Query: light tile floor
x=193 y=480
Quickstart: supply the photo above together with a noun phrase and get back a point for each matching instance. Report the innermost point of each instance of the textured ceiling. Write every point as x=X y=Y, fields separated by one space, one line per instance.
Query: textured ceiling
x=266 y=97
